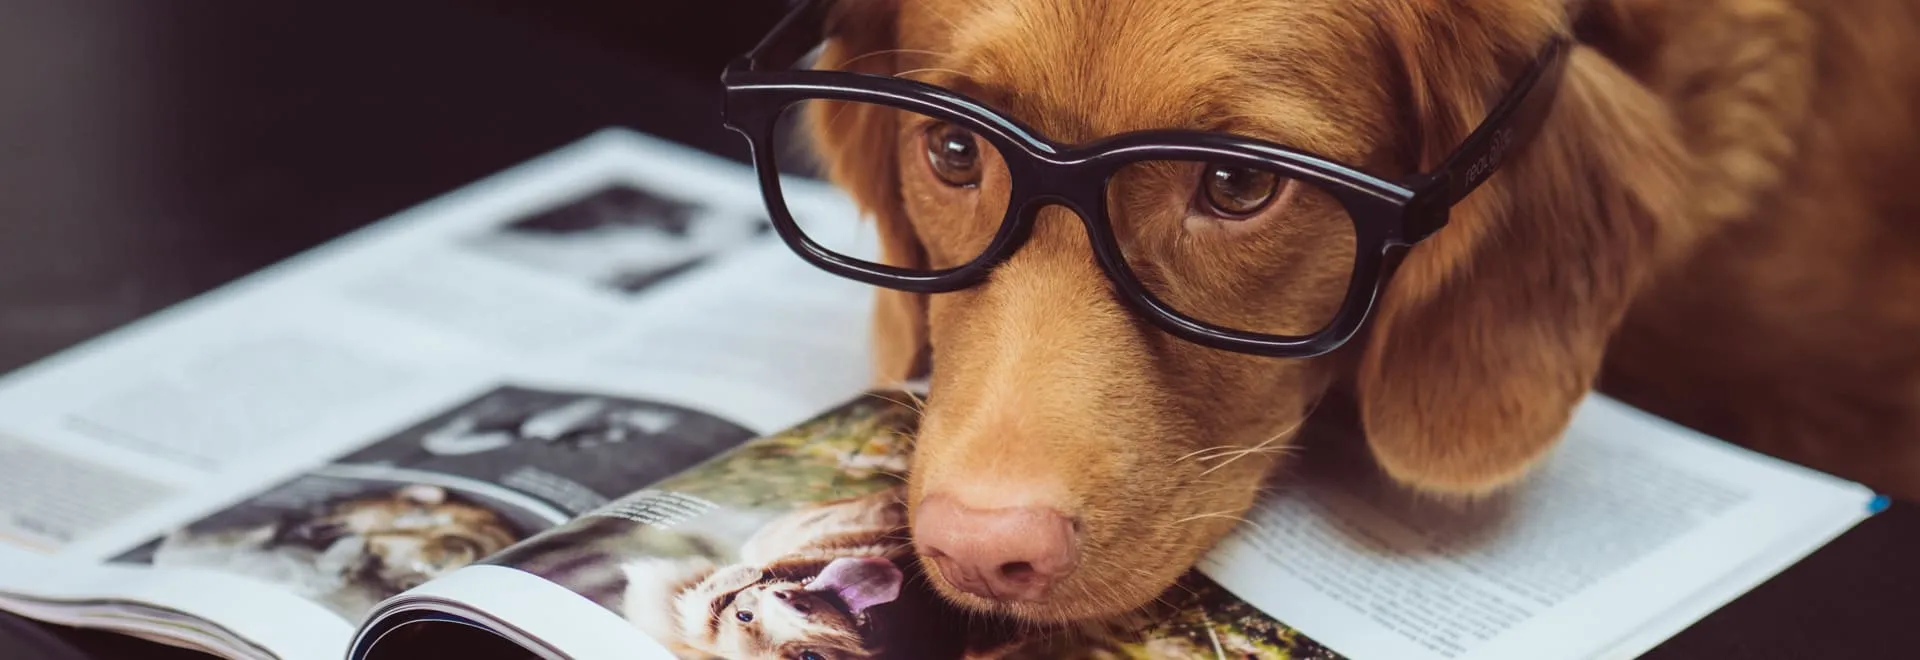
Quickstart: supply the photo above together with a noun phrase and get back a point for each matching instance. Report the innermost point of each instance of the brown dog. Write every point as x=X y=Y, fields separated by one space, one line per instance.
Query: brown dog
x=1715 y=216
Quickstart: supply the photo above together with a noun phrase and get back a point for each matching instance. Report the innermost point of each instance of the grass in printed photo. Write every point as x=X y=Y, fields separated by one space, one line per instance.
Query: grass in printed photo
x=743 y=544
x=860 y=448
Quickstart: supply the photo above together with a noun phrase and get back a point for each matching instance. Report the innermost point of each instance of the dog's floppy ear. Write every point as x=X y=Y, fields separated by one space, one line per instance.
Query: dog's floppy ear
x=856 y=145
x=1493 y=329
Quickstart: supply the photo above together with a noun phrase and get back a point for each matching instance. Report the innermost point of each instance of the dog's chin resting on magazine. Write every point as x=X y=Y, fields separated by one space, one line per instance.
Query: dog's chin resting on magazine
x=1698 y=227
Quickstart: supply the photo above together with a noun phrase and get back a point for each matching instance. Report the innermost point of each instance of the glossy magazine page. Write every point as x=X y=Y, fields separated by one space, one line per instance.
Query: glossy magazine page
x=795 y=545
x=252 y=471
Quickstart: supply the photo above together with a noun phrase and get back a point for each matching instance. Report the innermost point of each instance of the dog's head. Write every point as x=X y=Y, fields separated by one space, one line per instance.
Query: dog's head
x=745 y=611
x=1074 y=459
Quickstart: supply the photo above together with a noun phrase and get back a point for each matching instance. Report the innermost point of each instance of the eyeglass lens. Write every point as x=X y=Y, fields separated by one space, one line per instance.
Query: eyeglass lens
x=1246 y=248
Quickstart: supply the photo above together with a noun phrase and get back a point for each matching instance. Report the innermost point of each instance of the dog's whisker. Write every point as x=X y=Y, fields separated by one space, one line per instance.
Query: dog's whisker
x=1220 y=515
x=891 y=51
x=889 y=474
x=932 y=69
x=1237 y=454
x=1227 y=458
x=1235 y=451
x=1197 y=452
x=1314 y=407
x=1265 y=447
x=881 y=397
x=919 y=402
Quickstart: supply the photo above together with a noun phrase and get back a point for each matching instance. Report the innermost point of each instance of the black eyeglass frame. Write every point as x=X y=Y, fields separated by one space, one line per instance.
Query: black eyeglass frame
x=1387 y=214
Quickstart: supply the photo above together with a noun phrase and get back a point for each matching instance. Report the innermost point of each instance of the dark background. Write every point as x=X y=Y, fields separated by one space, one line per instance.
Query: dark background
x=151 y=150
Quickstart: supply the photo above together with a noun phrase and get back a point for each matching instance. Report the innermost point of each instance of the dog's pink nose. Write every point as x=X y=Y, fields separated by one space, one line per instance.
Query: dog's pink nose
x=1009 y=555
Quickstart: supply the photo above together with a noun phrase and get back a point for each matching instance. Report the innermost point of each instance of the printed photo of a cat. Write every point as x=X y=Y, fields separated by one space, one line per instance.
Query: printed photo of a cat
x=812 y=585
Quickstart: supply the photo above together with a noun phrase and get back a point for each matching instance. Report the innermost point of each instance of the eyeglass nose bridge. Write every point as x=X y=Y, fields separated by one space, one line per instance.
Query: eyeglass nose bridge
x=1053 y=178
x=1089 y=208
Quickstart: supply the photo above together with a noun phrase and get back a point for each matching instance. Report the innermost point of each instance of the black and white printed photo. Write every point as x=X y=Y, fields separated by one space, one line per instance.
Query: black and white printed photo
x=443 y=493
x=620 y=238
x=576 y=450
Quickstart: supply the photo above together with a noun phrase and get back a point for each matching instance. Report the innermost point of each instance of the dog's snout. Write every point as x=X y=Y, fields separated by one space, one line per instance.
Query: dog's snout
x=1009 y=554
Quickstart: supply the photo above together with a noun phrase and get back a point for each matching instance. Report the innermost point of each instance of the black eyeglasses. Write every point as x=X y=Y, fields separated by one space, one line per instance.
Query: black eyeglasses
x=1338 y=267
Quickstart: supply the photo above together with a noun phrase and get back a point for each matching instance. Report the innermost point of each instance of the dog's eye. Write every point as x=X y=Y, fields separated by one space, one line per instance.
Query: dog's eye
x=744 y=616
x=809 y=655
x=1237 y=192
x=954 y=154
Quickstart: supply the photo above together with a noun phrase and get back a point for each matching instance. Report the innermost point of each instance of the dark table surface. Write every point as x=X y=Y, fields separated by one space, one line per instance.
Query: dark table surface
x=153 y=150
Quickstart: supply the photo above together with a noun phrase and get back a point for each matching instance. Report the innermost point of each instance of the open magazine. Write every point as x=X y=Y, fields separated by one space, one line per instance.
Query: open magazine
x=592 y=408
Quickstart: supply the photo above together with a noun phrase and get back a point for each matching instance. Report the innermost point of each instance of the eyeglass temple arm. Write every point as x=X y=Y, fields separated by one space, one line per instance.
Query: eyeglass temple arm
x=791 y=39
x=1510 y=126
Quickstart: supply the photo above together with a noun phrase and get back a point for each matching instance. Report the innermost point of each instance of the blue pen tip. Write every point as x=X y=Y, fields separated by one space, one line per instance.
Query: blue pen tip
x=1879 y=503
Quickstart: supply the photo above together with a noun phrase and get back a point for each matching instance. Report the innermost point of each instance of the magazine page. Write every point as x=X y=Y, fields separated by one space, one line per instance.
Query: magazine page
x=796 y=543
x=276 y=456
x=487 y=622
x=1633 y=529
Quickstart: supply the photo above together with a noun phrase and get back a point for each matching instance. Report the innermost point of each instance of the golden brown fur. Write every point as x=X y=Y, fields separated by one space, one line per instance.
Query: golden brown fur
x=1715 y=215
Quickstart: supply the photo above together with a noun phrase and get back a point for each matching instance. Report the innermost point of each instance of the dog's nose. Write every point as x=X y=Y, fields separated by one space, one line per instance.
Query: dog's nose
x=1009 y=554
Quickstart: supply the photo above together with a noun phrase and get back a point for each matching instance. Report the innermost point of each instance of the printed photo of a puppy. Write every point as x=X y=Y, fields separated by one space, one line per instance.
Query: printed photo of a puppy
x=347 y=538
